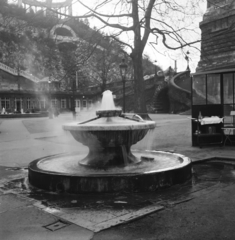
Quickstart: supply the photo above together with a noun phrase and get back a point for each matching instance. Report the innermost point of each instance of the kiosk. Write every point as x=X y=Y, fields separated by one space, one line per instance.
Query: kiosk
x=213 y=99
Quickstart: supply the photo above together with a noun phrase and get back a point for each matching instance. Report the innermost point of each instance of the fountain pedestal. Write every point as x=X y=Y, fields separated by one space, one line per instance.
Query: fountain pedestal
x=109 y=148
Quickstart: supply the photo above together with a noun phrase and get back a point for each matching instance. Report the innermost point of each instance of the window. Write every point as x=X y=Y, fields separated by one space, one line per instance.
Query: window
x=77 y=103
x=213 y=89
x=18 y=104
x=228 y=88
x=28 y=103
x=199 y=90
x=228 y=97
x=63 y=103
x=84 y=104
x=5 y=102
x=42 y=103
x=33 y=104
x=206 y=90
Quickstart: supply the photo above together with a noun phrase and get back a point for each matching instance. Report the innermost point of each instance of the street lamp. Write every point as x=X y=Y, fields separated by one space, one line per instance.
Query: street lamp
x=187 y=59
x=123 y=69
x=74 y=82
x=50 y=107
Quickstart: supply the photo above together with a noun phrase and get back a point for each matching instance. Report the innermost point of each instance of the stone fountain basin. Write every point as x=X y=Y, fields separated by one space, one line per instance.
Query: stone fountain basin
x=109 y=132
x=61 y=173
x=109 y=140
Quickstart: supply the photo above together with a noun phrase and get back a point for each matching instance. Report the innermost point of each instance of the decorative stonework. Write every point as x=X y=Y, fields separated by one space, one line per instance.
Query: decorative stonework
x=218 y=36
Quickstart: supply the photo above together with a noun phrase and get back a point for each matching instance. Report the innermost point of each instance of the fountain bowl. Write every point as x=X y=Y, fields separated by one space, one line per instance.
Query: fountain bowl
x=109 y=139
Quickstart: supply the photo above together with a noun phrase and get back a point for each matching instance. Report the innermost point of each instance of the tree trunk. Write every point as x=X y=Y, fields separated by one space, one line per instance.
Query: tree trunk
x=136 y=55
x=139 y=87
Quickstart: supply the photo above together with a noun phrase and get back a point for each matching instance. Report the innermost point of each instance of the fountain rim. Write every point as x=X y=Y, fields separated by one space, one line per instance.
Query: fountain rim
x=110 y=127
x=33 y=166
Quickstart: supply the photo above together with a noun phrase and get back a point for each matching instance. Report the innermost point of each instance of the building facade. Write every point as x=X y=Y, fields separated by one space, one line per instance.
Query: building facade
x=213 y=84
x=24 y=94
x=218 y=36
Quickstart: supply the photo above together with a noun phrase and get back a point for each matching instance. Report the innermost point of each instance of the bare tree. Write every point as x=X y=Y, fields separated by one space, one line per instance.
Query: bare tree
x=103 y=67
x=138 y=19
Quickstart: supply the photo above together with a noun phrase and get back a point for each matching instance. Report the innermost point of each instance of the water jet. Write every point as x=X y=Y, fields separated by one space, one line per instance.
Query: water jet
x=110 y=165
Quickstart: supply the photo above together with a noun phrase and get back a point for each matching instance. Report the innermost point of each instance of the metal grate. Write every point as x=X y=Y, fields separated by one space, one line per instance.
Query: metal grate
x=56 y=226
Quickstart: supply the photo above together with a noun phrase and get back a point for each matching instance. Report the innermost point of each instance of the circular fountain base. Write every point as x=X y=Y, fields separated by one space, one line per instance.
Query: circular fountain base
x=63 y=173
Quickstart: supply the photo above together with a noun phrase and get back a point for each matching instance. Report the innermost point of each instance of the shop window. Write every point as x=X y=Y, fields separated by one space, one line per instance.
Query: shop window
x=199 y=90
x=228 y=87
x=228 y=97
x=206 y=91
x=213 y=89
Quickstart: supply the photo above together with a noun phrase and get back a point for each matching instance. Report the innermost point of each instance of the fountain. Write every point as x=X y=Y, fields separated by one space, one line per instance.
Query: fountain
x=110 y=165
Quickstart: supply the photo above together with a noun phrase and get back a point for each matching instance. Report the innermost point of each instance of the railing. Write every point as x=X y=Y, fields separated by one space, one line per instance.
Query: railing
x=29 y=76
x=8 y=69
x=180 y=95
x=21 y=73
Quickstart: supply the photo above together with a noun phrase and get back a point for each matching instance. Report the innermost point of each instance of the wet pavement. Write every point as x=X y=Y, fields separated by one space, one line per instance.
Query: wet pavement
x=202 y=208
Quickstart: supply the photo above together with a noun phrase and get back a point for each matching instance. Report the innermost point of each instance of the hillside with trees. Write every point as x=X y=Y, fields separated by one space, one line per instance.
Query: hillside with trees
x=26 y=44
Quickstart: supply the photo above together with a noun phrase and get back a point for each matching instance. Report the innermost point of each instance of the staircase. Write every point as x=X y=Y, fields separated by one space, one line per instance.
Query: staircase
x=161 y=99
x=180 y=92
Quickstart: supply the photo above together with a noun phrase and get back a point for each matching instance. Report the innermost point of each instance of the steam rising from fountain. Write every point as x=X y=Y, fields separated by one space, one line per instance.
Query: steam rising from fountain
x=110 y=165
x=107 y=102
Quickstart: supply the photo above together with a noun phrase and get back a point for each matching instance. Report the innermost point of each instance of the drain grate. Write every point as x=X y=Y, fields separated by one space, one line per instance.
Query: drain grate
x=56 y=226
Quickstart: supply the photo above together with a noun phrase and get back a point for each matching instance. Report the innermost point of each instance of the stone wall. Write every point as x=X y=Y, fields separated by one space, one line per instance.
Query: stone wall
x=218 y=38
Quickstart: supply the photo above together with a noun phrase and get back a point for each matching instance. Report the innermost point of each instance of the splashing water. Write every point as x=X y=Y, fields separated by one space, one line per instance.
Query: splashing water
x=107 y=101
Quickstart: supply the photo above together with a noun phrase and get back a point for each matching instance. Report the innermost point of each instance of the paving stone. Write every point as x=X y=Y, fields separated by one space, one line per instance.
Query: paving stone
x=27 y=222
x=11 y=201
x=97 y=220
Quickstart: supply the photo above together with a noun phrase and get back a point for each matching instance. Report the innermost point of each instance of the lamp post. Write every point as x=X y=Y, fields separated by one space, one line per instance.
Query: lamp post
x=187 y=59
x=74 y=81
x=123 y=68
x=49 y=95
